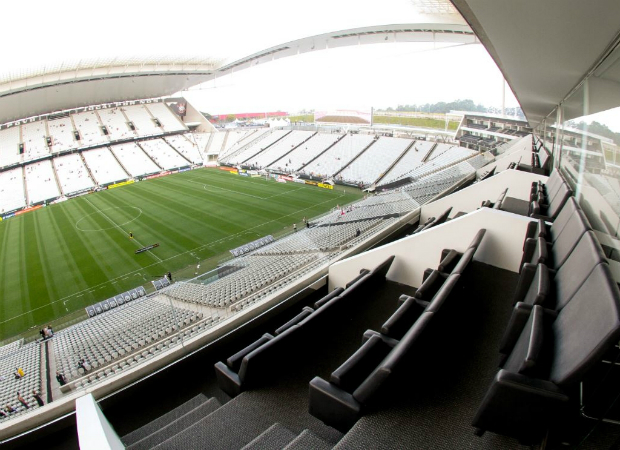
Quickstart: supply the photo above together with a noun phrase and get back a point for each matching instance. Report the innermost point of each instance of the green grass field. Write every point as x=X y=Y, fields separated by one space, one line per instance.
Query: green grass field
x=59 y=259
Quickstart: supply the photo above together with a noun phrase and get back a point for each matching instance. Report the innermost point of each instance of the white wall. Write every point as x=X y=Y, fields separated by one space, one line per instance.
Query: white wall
x=470 y=198
x=501 y=247
x=94 y=430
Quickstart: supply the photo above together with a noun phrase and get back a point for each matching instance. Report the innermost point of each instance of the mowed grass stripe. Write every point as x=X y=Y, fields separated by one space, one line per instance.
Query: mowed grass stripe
x=50 y=266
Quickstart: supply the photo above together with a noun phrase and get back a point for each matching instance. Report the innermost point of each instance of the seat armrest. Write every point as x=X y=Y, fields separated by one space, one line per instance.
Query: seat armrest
x=525 y=280
x=430 y=286
x=234 y=362
x=227 y=380
x=305 y=312
x=332 y=405
x=448 y=261
x=402 y=319
x=360 y=364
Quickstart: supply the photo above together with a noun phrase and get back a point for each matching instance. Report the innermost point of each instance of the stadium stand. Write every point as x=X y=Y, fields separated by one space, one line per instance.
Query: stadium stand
x=247 y=155
x=72 y=174
x=412 y=159
x=12 y=191
x=183 y=144
x=89 y=128
x=280 y=148
x=201 y=140
x=338 y=156
x=103 y=166
x=170 y=121
x=163 y=154
x=251 y=141
x=375 y=161
x=62 y=134
x=10 y=139
x=40 y=182
x=134 y=160
x=33 y=138
x=217 y=140
x=116 y=123
x=28 y=358
x=142 y=120
x=306 y=152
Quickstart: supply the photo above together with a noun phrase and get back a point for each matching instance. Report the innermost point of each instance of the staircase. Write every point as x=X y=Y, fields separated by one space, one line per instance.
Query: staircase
x=401 y=156
x=323 y=152
x=355 y=157
x=249 y=421
x=430 y=152
x=263 y=149
x=90 y=174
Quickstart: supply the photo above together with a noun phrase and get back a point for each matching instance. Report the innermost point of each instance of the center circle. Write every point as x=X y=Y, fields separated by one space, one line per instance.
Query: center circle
x=134 y=213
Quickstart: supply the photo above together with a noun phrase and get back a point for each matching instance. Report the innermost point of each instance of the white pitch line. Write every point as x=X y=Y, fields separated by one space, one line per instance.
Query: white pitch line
x=121 y=229
x=200 y=247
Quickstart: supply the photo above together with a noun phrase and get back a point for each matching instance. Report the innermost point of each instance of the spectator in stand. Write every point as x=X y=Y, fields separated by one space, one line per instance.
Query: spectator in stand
x=37 y=397
x=294 y=227
x=61 y=379
x=9 y=409
x=19 y=373
x=22 y=400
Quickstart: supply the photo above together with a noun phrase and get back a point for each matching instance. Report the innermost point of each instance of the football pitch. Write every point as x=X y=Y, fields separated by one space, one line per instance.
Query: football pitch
x=57 y=260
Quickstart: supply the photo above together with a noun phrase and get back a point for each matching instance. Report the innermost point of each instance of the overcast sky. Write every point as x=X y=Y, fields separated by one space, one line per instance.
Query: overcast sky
x=347 y=78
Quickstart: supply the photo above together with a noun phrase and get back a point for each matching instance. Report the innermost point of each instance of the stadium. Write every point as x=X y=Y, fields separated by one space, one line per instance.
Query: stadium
x=171 y=280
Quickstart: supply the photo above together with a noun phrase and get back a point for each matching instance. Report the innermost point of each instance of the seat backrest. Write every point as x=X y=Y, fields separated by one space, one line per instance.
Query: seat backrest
x=558 y=202
x=540 y=287
x=443 y=294
x=444 y=216
x=586 y=328
x=568 y=239
x=564 y=216
x=336 y=292
x=586 y=255
x=378 y=376
x=553 y=183
x=525 y=357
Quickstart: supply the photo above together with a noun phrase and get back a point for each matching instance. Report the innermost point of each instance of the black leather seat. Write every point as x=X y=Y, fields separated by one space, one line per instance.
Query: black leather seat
x=550 y=356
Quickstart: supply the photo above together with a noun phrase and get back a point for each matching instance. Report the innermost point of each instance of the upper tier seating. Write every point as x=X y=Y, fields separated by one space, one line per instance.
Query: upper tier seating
x=168 y=119
x=338 y=156
x=12 y=194
x=142 y=120
x=306 y=152
x=163 y=155
x=375 y=161
x=41 y=182
x=9 y=146
x=248 y=155
x=262 y=358
x=412 y=159
x=280 y=148
x=186 y=147
x=116 y=123
x=33 y=138
x=103 y=166
x=563 y=323
x=72 y=174
x=88 y=125
x=340 y=401
x=134 y=160
x=62 y=134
